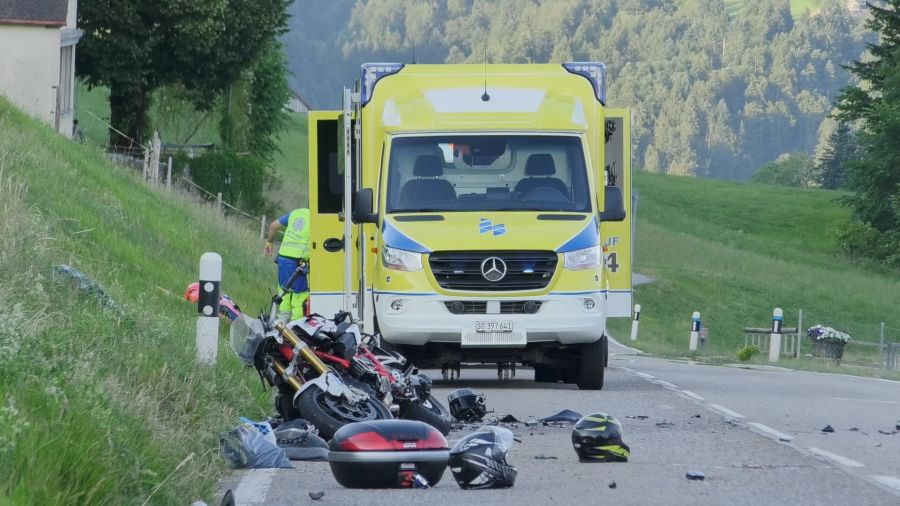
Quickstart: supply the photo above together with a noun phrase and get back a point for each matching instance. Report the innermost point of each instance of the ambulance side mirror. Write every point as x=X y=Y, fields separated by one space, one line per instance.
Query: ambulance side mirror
x=362 y=206
x=614 y=204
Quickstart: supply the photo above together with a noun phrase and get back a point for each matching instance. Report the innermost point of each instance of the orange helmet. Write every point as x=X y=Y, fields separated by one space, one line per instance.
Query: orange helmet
x=192 y=292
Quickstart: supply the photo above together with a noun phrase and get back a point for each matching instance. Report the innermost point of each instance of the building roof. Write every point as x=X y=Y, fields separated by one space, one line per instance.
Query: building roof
x=34 y=12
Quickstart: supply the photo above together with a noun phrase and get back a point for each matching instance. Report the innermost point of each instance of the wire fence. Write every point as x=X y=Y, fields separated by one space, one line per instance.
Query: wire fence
x=157 y=169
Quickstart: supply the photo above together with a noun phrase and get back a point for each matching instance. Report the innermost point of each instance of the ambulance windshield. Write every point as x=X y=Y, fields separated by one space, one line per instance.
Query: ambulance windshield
x=497 y=172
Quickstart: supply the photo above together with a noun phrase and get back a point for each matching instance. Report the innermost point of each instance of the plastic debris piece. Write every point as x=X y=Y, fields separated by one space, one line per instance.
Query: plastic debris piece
x=545 y=457
x=853 y=429
x=891 y=433
x=638 y=417
x=696 y=416
x=90 y=287
x=695 y=475
x=665 y=424
x=897 y=426
x=315 y=496
x=828 y=428
x=566 y=415
x=510 y=419
x=612 y=484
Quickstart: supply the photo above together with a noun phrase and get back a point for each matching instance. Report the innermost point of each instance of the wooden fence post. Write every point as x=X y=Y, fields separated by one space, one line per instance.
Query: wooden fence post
x=219 y=203
x=155 y=146
x=262 y=227
x=169 y=174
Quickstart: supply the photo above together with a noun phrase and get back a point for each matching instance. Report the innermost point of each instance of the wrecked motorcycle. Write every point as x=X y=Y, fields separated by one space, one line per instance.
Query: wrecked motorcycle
x=307 y=387
x=385 y=375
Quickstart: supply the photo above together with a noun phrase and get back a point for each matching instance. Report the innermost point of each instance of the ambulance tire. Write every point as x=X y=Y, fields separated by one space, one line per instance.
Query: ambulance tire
x=605 y=351
x=591 y=364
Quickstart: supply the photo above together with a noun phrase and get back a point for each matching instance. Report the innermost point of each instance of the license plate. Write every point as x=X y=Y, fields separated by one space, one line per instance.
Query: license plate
x=493 y=326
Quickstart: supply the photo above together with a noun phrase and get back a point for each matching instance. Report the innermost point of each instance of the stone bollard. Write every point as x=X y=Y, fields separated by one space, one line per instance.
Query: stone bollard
x=695 y=330
x=636 y=319
x=208 y=308
x=775 y=337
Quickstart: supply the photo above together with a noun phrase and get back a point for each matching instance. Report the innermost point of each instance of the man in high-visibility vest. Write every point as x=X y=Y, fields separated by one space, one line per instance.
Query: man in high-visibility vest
x=294 y=250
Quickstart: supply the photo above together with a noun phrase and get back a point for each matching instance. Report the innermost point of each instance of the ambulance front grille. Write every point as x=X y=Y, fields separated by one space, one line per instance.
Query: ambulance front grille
x=461 y=270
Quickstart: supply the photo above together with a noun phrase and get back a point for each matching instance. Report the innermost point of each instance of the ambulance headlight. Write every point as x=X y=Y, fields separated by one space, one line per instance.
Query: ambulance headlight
x=587 y=258
x=401 y=260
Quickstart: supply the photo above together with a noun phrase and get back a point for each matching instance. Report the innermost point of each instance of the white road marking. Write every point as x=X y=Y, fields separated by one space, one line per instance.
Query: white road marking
x=254 y=487
x=626 y=368
x=844 y=461
x=890 y=481
x=644 y=375
x=767 y=431
x=629 y=348
x=722 y=410
x=692 y=395
x=863 y=400
x=666 y=384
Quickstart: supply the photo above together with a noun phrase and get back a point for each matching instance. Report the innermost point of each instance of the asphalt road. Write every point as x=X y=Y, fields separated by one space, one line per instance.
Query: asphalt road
x=736 y=447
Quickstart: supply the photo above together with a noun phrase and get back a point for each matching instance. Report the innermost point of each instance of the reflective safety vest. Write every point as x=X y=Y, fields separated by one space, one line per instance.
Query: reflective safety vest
x=295 y=243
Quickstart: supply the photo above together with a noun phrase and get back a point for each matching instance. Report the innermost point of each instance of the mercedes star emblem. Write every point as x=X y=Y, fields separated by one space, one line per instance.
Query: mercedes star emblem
x=493 y=269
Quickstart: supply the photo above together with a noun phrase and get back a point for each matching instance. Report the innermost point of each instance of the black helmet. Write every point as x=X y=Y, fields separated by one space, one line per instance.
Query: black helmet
x=466 y=406
x=598 y=438
x=479 y=459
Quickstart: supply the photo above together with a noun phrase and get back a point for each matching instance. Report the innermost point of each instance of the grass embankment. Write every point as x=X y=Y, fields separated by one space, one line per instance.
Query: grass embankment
x=289 y=187
x=735 y=251
x=97 y=408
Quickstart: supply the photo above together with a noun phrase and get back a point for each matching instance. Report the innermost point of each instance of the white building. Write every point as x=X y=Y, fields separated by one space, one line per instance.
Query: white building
x=37 y=58
x=296 y=103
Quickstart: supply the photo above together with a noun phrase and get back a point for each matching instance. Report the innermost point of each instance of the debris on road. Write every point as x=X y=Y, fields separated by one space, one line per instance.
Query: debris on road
x=665 y=424
x=541 y=456
x=612 y=484
x=638 y=417
x=566 y=416
x=828 y=428
x=510 y=419
x=696 y=416
x=897 y=426
x=247 y=447
x=853 y=429
x=891 y=433
x=315 y=496
x=695 y=475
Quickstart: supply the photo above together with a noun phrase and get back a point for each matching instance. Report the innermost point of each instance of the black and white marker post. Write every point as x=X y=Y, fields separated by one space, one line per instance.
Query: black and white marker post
x=775 y=338
x=208 y=308
x=635 y=320
x=695 y=330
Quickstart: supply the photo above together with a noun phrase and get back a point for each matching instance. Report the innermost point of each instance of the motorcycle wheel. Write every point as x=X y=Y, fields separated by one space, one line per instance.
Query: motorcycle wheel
x=431 y=412
x=330 y=413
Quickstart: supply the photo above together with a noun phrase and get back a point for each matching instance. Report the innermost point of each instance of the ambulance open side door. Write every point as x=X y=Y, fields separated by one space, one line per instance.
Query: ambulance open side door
x=618 y=237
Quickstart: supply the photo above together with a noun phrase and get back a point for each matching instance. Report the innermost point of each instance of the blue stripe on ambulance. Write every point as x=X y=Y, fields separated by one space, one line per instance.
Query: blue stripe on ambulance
x=588 y=237
x=397 y=239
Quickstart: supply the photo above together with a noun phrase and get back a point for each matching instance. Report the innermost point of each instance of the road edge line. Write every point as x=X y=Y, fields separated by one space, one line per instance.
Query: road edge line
x=835 y=458
x=767 y=431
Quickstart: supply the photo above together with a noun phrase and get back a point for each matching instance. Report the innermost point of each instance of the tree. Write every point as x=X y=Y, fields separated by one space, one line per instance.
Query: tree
x=136 y=46
x=831 y=169
x=875 y=104
x=787 y=170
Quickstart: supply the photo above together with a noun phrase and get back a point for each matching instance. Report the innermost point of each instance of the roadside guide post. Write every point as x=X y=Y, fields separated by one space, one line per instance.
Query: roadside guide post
x=695 y=330
x=208 y=308
x=636 y=319
x=775 y=338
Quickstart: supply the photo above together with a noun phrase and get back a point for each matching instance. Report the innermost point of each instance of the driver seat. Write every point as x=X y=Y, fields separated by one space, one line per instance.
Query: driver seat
x=540 y=169
x=428 y=188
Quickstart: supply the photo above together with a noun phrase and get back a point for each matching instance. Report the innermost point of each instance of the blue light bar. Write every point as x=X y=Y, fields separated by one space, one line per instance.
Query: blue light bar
x=594 y=72
x=371 y=73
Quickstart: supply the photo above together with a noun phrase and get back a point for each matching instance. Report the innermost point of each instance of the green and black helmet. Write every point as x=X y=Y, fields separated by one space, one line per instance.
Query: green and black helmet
x=598 y=438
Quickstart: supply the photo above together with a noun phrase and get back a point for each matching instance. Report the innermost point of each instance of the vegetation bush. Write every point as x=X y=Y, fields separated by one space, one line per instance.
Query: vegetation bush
x=241 y=178
x=787 y=170
x=747 y=352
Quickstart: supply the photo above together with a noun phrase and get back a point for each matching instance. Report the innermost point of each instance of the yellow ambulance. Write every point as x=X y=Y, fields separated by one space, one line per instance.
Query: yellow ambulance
x=487 y=208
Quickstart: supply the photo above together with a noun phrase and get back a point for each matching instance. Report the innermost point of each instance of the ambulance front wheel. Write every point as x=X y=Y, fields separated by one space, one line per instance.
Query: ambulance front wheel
x=592 y=364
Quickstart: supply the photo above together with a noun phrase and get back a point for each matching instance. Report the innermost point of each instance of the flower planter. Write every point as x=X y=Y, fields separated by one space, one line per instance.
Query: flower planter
x=828 y=350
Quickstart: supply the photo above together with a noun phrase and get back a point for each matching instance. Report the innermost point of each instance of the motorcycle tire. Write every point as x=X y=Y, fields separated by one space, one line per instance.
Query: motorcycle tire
x=329 y=413
x=431 y=412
